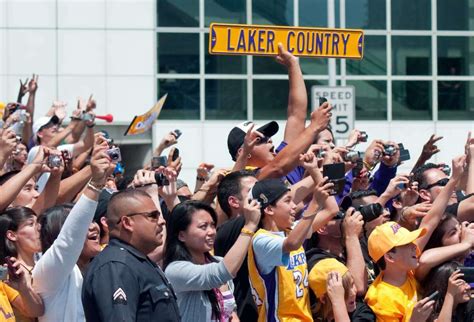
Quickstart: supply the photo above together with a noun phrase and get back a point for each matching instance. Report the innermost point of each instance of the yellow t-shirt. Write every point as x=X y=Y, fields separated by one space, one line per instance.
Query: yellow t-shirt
x=7 y=296
x=392 y=303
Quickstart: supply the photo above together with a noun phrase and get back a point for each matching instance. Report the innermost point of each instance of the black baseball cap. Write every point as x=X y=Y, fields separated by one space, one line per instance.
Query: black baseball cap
x=268 y=191
x=236 y=136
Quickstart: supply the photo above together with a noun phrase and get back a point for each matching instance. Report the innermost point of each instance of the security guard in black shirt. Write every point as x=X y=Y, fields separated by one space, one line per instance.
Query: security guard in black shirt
x=122 y=283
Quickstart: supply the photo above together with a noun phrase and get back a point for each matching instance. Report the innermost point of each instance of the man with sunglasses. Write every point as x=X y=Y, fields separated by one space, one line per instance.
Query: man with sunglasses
x=122 y=283
x=281 y=162
x=431 y=179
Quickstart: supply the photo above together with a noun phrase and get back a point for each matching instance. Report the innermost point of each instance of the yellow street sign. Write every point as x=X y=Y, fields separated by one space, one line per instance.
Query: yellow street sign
x=232 y=39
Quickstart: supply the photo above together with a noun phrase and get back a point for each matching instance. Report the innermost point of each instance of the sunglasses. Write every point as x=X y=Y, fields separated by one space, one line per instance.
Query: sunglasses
x=442 y=182
x=153 y=215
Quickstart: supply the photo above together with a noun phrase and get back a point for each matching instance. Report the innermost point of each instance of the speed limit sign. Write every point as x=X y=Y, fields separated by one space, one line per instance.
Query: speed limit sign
x=342 y=99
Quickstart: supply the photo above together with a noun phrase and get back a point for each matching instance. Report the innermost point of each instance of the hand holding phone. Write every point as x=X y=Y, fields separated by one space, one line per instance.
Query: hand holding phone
x=11 y=269
x=336 y=174
x=322 y=100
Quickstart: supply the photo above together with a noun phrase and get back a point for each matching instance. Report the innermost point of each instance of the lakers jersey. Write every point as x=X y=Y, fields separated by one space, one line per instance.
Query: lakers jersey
x=282 y=294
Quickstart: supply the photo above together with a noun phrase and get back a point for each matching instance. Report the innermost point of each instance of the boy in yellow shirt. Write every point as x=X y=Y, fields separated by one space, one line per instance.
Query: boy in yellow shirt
x=393 y=295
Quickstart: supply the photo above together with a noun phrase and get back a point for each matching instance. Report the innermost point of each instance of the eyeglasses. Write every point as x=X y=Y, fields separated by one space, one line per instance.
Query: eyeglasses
x=442 y=182
x=153 y=215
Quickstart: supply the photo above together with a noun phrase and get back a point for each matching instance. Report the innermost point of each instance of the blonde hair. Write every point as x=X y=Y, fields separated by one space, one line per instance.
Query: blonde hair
x=322 y=311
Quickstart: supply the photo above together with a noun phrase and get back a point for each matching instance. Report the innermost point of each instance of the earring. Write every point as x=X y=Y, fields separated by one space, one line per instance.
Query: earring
x=249 y=156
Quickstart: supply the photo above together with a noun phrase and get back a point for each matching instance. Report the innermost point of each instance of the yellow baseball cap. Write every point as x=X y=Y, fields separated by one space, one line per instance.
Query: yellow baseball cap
x=388 y=235
x=318 y=275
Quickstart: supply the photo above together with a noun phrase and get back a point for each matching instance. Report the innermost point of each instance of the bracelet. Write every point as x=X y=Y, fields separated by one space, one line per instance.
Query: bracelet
x=91 y=126
x=247 y=232
x=94 y=187
x=368 y=166
x=201 y=178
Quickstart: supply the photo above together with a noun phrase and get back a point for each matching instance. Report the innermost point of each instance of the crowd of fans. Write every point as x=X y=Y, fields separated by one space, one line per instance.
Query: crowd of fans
x=306 y=231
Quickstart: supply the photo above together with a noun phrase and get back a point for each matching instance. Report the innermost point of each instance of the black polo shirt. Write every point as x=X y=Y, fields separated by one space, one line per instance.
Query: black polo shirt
x=122 y=284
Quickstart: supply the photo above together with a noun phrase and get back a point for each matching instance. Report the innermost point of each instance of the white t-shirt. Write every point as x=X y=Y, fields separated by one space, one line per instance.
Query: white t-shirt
x=43 y=179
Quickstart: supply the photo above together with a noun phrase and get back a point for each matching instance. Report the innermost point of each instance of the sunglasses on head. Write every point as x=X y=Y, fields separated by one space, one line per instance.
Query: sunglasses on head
x=442 y=182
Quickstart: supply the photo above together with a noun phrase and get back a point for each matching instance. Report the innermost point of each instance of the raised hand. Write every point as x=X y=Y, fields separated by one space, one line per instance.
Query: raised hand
x=459 y=164
x=391 y=160
x=33 y=84
x=335 y=289
x=422 y=310
x=250 y=141
x=168 y=140
x=143 y=178
x=17 y=277
x=373 y=153
x=415 y=213
x=23 y=90
x=430 y=148
x=204 y=169
x=100 y=162
x=322 y=191
x=456 y=286
x=251 y=213
x=321 y=117
x=8 y=142
x=353 y=223
x=284 y=57
x=308 y=161
x=91 y=104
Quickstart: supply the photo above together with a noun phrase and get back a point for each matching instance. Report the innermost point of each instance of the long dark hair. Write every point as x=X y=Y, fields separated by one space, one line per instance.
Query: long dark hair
x=11 y=219
x=436 y=239
x=437 y=280
x=175 y=250
x=51 y=221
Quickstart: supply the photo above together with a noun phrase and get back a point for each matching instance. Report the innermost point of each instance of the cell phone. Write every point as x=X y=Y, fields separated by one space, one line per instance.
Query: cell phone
x=157 y=162
x=335 y=172
x=177 y=133
x=322 y=100
x=433 y=296
x=175 y=154
x=161 y=180
x=468 y=274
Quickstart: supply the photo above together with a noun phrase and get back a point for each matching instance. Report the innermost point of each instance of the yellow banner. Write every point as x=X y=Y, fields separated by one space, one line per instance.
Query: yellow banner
x=231 y=39
x=142 y=123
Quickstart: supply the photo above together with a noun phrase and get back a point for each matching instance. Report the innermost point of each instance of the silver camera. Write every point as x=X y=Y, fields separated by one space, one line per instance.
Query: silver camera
x=54 y=161
x=114 y=154
x=353 y=156
x=363 y=136
x=87 y=117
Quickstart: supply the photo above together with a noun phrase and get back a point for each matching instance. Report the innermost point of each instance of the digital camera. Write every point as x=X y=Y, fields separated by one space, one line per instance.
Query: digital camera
x=371 y=212
x=389 y=150
x=114 y=154
x=353 y=156
x=363 y=136
x=54 y=161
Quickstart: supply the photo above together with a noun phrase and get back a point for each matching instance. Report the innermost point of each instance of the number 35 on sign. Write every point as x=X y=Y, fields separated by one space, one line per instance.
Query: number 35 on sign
x=342 y=99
